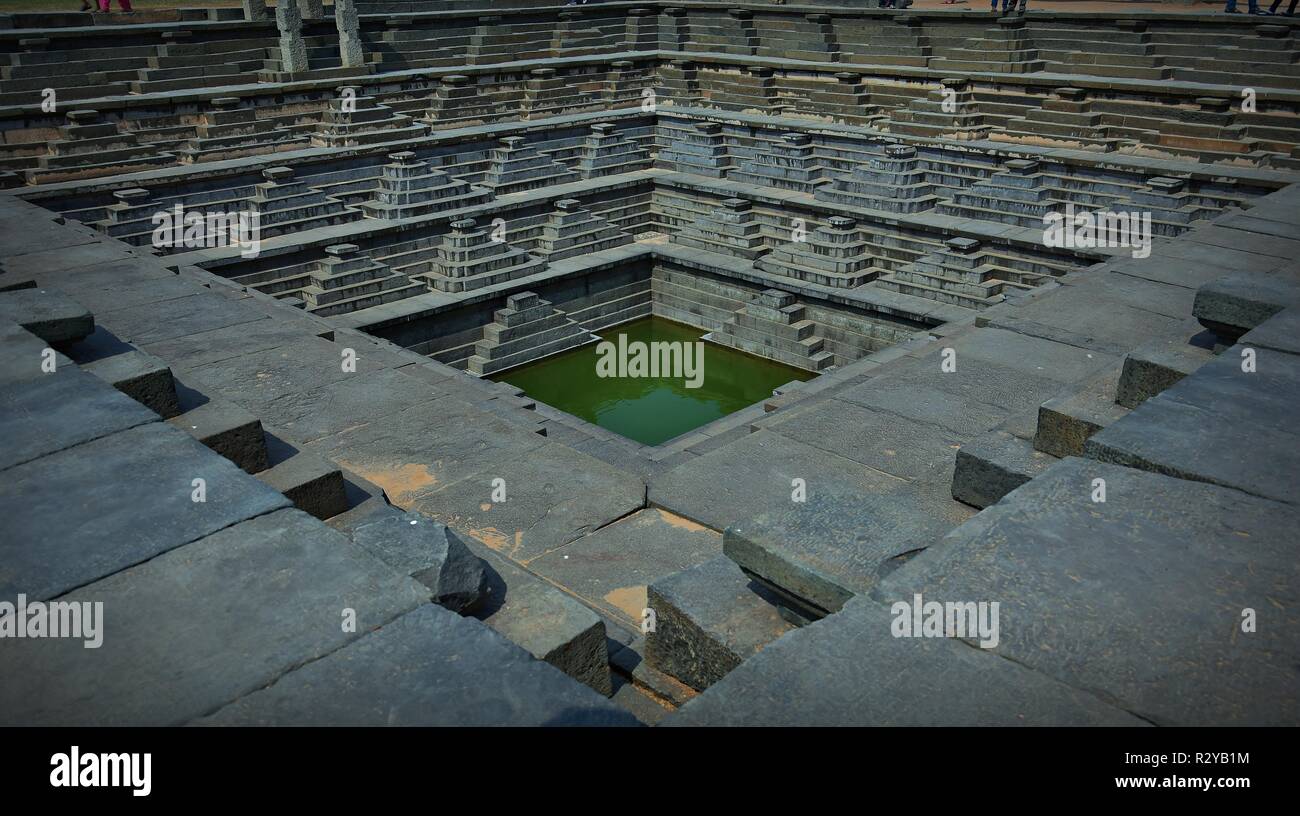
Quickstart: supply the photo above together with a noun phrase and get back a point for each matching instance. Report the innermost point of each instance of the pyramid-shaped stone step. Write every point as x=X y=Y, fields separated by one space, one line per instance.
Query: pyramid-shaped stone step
x=515 y=167
x=702 y=151
x=836 y=255
x=409 y=187
x=571 y=230
x=773 y=327
x=605 y=153
x=731 y=229
x=527 y=329
x=352 y=120
x=790 y=164
x=895 y=182
x=469 y=258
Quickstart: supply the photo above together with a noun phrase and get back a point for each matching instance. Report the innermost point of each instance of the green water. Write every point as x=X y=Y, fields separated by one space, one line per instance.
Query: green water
x=650 y=410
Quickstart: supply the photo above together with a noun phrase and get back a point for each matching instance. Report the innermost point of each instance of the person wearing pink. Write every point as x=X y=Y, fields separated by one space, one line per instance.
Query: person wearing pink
x=125 y=5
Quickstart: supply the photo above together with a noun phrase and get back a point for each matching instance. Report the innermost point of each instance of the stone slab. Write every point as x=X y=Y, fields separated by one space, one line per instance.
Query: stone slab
x=125 y=484
x=847 y=670
x=429 y=667
x=837 y=544
x=217 y=345
x=54 y=412
x=1280 y=332
x=258 y=380
x=25 y=355
x=553 y=496
x=50 y=315
x=885 y=442
x=754 y=474
x=609 y=569
x=270 y=591
x=425 y=447
x=334 y=407
x=1220 y=425
x=924 y=404
x=153 y=322
x=1103 y=320
x=1138 y=599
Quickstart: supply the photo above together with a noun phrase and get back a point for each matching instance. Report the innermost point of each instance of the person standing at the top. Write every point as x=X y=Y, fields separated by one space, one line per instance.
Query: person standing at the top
x=1009 y=6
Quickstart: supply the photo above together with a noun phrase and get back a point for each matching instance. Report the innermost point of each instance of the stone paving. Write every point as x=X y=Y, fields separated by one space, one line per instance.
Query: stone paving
x=287 y=450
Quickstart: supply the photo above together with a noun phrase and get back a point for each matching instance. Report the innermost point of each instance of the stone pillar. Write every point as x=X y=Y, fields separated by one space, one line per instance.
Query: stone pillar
x=349 y=26
x=311 y=9
x=293 y=51
x=255 y=10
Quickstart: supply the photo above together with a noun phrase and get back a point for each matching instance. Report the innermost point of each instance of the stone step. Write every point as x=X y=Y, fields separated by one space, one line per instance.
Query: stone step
x=839 y=543
x=314 y=484
x=544 y=620
x=848 y=670
x=1235 y=304
x=225 y=428
x=1152 y=368
x=268 y=589
x=1167 y=555
x=1223 y=425
x=429 y=667
x=48 y=314
x=708 y=619
x=814 y=362
x=993 y=465
x=1066 y=421
x=142 y=377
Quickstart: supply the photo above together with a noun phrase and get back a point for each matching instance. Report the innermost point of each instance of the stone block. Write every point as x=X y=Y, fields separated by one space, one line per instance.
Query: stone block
x=427 y=668
x=1151 y=369
x=544 y=620
x=1233 y=305
x=1065 y=422
x=994 y=465
x=610 y=568
x=837 y=544
x=25 y=355
x=229 y=430
x=430 y=553
x=50 y=315
x=270 y=591
x=142 y=377
x=708 y=619
x=1137 y=599
x=53 y=412
x=134 y=499
x=1220 y=425
x=314 y=485
x=848 y=670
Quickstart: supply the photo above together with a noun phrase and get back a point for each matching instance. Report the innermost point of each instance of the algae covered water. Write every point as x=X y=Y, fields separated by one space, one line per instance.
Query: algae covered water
x=650 y=409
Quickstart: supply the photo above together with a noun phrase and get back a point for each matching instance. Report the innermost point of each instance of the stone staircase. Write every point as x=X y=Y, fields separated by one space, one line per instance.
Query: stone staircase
x=835 y=255
x=773 y=327
x=469 y=258
x=527 y=329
